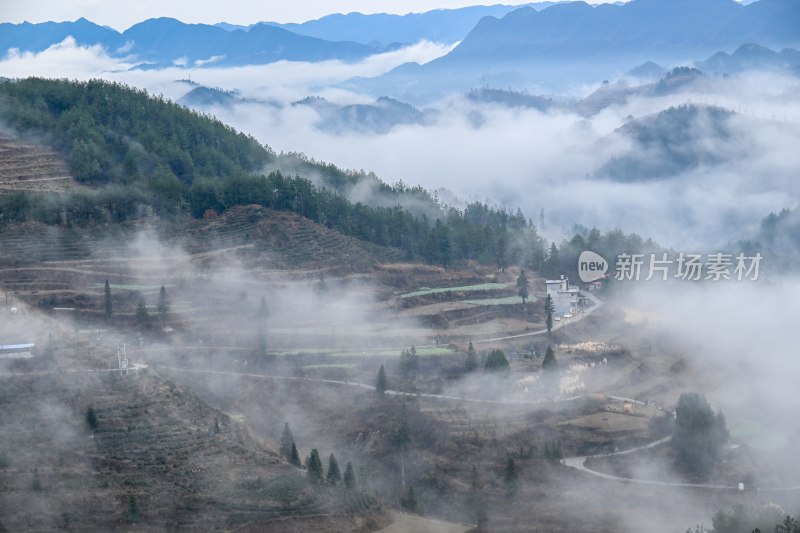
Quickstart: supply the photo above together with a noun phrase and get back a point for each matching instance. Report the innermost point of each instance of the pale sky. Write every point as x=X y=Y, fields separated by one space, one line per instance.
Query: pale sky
x=122 y=14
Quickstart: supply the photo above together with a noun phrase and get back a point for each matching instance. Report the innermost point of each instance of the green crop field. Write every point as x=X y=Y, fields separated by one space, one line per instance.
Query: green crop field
x=425 y=291
x=433 y=350
x=508 y=300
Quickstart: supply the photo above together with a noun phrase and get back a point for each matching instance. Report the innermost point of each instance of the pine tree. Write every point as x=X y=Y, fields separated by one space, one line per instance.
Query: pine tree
x=133 y=508
x=552 y=264
x=496 y=361
x=287 y=439
x=409 y=501
x=163 y=305
x=91 y=417
x=294 y=457
x=522 y=286
x=549 y=362
x=409 y=362
x=141 y=314
x=552 y=451
x=401 y=437
x=349 y=476
x=261 y=340
x=108 y=306
x=381 y=384
x=314 y=466
x=511 y=470
x=471 y=363
x=477 y=502
x=474 y=479
x=334 y=476
x=502 y=249
x=699 y=436
x=549 y=309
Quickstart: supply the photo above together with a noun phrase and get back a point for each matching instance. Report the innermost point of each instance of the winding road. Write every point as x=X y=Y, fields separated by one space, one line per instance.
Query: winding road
x=370 y=387
x=579 y=463
x=558 y=325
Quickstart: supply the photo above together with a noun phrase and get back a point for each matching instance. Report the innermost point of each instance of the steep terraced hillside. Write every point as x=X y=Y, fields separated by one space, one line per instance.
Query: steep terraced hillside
x=157 y=459
x=25 y=167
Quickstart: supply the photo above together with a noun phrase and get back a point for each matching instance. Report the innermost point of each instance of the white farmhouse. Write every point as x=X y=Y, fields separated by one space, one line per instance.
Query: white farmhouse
x=564 y=295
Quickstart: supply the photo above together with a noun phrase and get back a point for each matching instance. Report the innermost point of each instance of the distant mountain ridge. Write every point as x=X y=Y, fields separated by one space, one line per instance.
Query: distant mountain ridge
x=439 y=25
x=650 y=29
x=752 y=56
x=577 y=42
x=165 y=42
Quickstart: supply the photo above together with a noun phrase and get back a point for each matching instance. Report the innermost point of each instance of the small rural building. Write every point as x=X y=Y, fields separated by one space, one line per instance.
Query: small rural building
x=564 y=295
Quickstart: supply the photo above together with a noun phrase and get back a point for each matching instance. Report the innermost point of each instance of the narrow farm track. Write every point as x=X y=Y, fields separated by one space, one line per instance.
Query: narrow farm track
x=595 y=300
x=369 y=387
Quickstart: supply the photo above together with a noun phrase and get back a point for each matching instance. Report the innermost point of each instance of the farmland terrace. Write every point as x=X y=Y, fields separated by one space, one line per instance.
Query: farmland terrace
x=159 y=458
x=26 y=166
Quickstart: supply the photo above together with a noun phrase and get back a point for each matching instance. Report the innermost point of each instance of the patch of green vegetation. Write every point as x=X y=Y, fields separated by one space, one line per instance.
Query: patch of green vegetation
x=132 y=287
x=388 y=352
x=425 y=291
x=329 y=365
x=368 y=330
x=508 y=300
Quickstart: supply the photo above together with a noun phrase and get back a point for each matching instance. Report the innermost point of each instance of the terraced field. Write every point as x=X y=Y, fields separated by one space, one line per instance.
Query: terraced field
x=426 y=291
x=26 y=166
x=158 y=459
x=285 y=240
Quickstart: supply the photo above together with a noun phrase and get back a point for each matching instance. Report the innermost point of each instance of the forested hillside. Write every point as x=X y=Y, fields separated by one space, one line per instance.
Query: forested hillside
x=145 y=156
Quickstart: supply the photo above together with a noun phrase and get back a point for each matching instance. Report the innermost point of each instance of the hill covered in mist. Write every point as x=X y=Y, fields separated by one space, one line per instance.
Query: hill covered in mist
x=672 y=142
x=136 y=154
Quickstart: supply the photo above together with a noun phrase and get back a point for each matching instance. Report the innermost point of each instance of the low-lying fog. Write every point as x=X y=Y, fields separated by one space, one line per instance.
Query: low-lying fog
x=512 y=156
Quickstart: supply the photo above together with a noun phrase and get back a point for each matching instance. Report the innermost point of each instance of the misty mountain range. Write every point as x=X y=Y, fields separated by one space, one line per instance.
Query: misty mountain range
x=576 y=42
x=539 y=44
x=440 y=25
x=166 y=42
x=750 y=56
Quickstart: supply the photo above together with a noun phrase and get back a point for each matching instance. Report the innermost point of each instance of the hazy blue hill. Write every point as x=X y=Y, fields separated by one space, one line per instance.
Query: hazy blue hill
x=378 y=117
x=751 y=57
x=38 y=37
x=576 y=42
x=677 y=79
x=165 y=41
x=647 y=70
x=510 y=98
x=441 y=25
x=669 y=143
x=206 y=96
x=649 y=29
